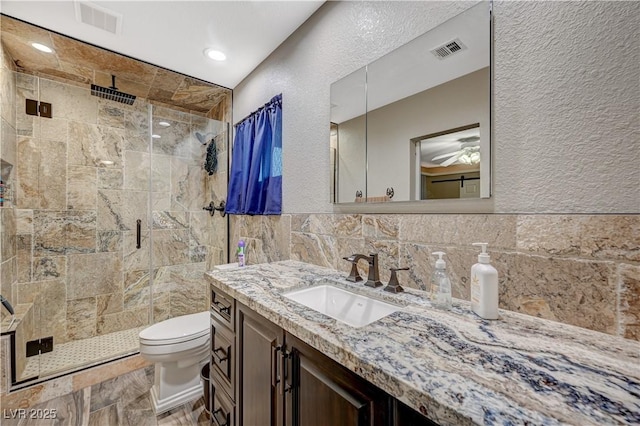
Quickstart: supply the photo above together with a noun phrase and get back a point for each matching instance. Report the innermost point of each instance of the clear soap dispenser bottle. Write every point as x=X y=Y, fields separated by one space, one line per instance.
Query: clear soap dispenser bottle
x=484 y=286
x=440 y=284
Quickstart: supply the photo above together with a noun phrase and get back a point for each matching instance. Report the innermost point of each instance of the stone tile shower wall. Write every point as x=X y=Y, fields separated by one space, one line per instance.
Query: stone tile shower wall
x=76 y=217
x=582 y=270
x=8 y=276
x=8 y=252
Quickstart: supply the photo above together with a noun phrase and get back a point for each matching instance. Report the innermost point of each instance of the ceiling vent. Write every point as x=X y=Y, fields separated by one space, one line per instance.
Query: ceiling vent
x=98 y=16
x=448 y=49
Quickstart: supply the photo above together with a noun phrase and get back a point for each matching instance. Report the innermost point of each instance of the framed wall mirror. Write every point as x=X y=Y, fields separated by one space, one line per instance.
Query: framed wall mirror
x=416 y=97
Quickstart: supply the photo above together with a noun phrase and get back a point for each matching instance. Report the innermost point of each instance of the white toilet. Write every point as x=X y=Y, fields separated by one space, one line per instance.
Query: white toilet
x=179 y=347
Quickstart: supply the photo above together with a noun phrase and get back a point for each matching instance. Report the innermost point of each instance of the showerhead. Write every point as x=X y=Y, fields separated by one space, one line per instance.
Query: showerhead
x=203 y=138
x=111 y=93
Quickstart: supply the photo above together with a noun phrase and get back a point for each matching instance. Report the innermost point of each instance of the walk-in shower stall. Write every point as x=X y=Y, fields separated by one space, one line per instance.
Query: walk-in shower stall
x=103 y=227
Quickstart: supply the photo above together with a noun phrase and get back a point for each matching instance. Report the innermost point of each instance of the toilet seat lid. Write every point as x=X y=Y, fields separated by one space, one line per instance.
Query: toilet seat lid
x=175 y=330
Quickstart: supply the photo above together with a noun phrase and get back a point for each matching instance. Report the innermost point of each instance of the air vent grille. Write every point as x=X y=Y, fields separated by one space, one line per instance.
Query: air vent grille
x=99 y=17
x=448 y=49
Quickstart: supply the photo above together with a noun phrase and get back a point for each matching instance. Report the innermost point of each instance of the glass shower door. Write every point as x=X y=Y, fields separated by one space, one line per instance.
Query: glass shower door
x=188 y=173
x=81 y=186
x=32 y=190
x=104 y=232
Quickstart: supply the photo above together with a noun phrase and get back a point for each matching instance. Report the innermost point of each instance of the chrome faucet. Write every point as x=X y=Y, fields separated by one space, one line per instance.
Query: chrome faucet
x=373 y=279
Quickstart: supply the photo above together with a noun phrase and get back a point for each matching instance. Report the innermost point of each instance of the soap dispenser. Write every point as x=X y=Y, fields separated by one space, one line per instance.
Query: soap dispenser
x=440 y=284
x=484 y=286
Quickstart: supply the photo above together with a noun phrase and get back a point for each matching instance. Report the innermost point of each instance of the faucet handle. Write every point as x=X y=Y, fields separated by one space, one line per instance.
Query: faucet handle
x=354 y=275
x=373 y=279
x=394 y=286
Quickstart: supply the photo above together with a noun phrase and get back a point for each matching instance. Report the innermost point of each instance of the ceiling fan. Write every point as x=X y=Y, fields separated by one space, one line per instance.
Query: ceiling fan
x=469 y=153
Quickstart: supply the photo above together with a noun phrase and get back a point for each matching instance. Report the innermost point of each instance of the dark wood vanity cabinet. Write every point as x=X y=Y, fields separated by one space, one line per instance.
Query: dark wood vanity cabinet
x=263 y=376
x=223 y=360
x=326 y=393
x=284 y=381
x=260 y=342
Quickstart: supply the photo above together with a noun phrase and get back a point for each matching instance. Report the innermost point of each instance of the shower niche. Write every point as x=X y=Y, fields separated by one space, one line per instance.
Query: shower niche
x=105 y=233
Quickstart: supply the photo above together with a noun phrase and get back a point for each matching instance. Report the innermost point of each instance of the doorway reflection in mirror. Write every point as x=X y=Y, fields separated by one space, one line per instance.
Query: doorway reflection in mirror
x=449 y=165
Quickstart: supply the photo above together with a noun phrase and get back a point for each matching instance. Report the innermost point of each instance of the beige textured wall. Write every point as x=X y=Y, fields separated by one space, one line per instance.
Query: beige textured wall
x=565 y=130
x=576 y=269
x=564 y=111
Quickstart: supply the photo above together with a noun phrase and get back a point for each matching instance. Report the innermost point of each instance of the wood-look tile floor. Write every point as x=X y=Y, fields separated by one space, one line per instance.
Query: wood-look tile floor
x=122 y=401
x=189 y=414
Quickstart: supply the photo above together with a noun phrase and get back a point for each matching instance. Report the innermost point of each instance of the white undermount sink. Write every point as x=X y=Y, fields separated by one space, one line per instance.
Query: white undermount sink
x=351 y=308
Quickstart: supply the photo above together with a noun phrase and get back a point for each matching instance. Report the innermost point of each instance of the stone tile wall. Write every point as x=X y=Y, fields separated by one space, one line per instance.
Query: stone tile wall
x=5 y=364
x=67 y=239
x=576 y=269
x=23 y=329
x=8 y=161
x=75 y=216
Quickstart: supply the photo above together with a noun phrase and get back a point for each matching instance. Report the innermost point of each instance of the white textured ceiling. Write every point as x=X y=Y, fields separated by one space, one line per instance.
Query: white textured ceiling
x=174 y=34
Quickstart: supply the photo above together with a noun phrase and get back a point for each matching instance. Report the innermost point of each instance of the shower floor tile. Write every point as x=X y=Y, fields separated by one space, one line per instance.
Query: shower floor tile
x=83 y=353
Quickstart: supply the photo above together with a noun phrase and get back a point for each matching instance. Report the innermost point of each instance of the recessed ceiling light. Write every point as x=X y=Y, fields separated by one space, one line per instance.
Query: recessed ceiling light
x=156 y=136
x=164 y=124
x=216 y=55
x=42 y=47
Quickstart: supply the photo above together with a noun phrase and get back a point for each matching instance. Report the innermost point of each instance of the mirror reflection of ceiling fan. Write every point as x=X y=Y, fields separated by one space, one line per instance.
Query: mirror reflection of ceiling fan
x=469 y=153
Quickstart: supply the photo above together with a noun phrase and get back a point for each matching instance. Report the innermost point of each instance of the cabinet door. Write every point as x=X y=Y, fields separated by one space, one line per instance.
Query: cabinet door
x=259 y=353
x=326 y=393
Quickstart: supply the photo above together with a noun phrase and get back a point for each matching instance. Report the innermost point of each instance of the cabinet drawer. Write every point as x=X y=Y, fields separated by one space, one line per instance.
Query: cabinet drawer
x=223 y=307
x=222 y=408
x=223 y=354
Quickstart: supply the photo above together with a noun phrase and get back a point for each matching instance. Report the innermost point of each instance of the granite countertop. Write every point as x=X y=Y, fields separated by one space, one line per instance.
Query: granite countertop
x=455 y=367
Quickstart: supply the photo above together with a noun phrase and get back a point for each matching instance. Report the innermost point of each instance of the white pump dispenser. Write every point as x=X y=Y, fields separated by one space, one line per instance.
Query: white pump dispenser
x=484 y=286
x=440 y=284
